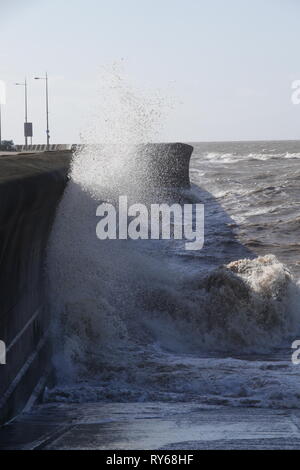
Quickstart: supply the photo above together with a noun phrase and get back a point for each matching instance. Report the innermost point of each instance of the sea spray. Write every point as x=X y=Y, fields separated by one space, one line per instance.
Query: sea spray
x=91 y=284
x=123 y=118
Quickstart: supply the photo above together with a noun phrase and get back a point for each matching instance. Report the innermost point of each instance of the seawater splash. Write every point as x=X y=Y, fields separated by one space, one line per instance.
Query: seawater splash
x=132 y=321
x=124 y=118
x=91 y=284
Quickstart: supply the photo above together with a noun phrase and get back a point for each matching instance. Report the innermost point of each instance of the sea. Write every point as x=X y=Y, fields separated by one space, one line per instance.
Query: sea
x=149 y=321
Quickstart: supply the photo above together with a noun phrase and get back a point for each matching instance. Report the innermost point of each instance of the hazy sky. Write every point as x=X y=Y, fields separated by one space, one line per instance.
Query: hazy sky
x=229 y=64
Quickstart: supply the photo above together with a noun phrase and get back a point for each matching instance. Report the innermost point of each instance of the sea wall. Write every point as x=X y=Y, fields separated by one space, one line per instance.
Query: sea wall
x=31 y=186
x=163 y=165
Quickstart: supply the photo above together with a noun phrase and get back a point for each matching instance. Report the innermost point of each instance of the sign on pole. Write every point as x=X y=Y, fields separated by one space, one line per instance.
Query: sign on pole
x=28 y=131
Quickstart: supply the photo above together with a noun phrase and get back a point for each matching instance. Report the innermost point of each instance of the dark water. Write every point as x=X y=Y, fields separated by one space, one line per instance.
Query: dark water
x=151 y=321
x=258 y=185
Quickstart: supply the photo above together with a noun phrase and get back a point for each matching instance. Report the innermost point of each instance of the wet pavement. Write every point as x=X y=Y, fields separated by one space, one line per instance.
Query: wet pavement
x=129 y=426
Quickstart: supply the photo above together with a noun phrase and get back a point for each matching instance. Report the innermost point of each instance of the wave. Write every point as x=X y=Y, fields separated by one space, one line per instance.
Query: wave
x=219 y=157
x=132 y=321
x=209 y=381
x=111 y=299
x=166 y=349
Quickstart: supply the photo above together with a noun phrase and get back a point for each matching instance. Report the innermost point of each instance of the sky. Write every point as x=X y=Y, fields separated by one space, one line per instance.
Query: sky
x=228 y=65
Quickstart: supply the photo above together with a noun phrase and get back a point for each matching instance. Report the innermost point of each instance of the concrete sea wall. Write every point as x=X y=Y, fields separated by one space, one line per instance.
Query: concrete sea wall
x=30 y=188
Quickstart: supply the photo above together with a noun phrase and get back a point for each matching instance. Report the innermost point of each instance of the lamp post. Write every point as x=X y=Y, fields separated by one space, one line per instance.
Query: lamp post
x=2 y=101
x=47 y=108
x=0 y=125
x=26 y=109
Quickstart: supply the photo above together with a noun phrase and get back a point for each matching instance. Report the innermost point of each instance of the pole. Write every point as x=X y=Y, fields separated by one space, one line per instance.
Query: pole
x=0 y=126
x=26 y=110
x=26 y=113
x=47 y=108
x=47 y=113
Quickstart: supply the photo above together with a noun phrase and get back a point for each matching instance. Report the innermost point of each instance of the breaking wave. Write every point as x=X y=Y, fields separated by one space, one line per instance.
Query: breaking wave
x=221 y=157
x=134 y=322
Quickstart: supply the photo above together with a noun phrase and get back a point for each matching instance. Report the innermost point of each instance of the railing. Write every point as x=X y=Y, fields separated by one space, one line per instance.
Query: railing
x=43 y=147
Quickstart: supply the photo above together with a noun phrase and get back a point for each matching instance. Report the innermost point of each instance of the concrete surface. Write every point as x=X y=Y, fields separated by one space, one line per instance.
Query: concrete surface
x=137 y=426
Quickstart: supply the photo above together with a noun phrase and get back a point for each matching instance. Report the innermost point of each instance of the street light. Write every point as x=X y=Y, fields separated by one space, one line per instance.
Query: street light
x=2 y=101
x=47 y=107
x=0 y=125
x=26 y=108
